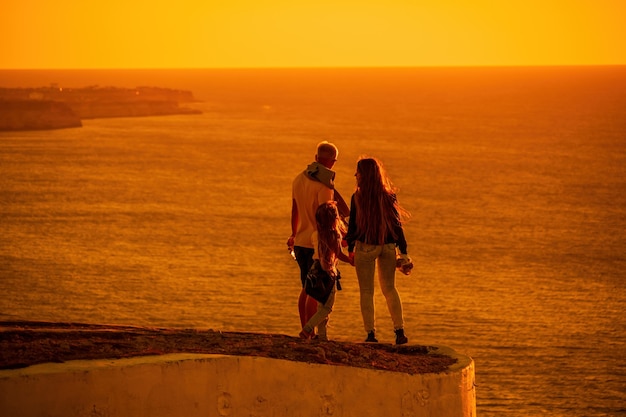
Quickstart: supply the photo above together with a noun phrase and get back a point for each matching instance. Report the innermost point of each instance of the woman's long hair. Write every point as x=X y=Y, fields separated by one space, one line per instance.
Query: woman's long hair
x=378 y=211
x=330 y=229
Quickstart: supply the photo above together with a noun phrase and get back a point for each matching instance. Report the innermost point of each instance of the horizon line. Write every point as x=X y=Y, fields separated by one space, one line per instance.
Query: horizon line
x=313 y=67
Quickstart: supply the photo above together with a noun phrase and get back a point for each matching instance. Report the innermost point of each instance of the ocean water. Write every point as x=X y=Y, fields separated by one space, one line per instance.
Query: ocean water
x=515 y=178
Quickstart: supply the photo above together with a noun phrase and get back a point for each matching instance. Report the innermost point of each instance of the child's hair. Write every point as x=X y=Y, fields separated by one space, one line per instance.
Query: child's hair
x=330 y=229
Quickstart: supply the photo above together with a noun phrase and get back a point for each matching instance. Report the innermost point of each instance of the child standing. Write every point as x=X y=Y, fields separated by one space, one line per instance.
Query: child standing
x=327 y=245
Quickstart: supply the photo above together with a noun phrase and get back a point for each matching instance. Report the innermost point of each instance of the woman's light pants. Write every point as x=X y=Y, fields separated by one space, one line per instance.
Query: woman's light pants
x=368 y=258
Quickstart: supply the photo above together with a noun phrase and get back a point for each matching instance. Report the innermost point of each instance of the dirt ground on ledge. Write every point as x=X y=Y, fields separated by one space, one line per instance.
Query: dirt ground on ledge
x=28 y=343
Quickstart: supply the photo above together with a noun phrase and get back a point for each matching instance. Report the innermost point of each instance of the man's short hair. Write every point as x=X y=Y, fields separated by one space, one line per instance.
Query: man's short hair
x=327 y=150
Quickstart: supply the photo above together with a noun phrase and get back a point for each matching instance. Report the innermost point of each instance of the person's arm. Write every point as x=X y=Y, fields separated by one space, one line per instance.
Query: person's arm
x=399 y=230
x=401 y=241
x=294 y=223
x=342 y=207
x=345 y=258
x=341 y=255
x=351 y=235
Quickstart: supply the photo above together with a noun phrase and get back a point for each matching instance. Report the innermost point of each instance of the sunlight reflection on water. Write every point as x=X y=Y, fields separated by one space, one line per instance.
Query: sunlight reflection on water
x=182 y=221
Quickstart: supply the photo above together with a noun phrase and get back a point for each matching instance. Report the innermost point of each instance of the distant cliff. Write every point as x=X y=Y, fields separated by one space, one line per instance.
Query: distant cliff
x=36 y=115
x=55 y=108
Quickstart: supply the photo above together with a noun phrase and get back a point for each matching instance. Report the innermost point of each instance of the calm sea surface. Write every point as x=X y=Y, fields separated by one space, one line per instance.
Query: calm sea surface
x=515 y=177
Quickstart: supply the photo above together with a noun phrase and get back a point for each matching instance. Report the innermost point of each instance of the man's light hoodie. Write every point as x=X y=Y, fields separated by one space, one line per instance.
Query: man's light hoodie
x=319 y=172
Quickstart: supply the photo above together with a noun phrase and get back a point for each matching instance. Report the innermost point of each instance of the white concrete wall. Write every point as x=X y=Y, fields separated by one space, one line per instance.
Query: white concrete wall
x=190 y=385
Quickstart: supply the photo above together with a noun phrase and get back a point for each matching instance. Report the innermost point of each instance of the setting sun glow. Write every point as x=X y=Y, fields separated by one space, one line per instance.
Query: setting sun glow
x=279 y=33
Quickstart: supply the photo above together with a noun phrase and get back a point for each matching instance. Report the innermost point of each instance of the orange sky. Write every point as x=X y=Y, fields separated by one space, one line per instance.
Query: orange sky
x=320 y=33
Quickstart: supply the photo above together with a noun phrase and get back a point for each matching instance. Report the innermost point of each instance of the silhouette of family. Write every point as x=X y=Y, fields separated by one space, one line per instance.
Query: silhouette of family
x=374 y=237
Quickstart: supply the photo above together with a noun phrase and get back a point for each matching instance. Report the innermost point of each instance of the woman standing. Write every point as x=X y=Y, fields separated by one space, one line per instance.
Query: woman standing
x=374 y=232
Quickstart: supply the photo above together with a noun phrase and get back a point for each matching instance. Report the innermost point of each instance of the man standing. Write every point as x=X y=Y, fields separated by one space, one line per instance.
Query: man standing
x=312 y=187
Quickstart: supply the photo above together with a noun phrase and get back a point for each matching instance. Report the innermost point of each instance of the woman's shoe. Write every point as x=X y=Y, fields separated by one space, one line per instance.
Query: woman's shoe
x=400 y=337
x=371 y=337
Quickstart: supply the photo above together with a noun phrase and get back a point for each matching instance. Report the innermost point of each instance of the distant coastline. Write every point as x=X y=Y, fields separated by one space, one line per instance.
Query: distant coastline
x=53 y=107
